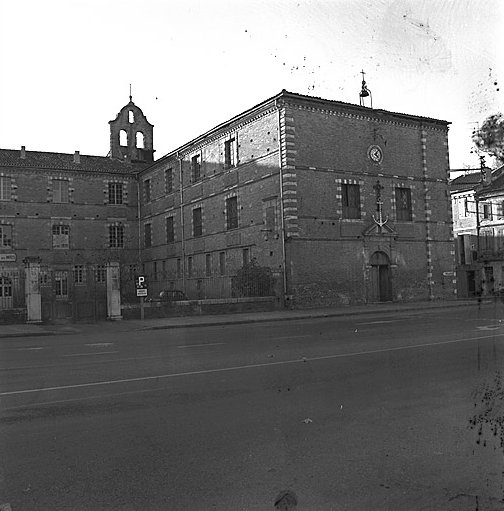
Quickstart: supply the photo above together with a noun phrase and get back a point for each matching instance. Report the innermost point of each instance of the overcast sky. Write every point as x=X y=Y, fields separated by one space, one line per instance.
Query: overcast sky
x=66 y=65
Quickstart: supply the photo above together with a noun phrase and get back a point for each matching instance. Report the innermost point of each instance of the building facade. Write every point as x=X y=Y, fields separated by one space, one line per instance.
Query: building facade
x=73 y=214
x=344 y=203
x=340 y=203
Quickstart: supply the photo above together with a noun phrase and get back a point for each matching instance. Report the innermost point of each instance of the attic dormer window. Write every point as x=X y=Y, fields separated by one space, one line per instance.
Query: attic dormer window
x=131 y=116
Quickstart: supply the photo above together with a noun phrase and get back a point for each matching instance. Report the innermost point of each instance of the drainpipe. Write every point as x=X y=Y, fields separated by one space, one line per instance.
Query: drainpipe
x=282 y=218
x=182 y=223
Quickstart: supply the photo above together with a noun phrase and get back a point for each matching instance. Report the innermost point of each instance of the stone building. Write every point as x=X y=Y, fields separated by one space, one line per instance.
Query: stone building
x=340 y=203
x=346 y=204
x=478 y=225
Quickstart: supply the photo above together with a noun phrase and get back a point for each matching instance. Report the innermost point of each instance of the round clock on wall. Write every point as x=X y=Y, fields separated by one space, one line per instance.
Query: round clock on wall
x=375 y=154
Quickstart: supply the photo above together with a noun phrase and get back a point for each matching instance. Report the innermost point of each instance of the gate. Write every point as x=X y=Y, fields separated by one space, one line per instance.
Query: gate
x=78 y=293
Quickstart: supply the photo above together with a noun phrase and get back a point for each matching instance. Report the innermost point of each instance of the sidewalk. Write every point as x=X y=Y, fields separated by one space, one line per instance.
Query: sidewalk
x=9 y=331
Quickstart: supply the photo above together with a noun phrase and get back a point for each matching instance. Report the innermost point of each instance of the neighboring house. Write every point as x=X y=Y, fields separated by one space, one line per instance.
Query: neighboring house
x=478 y=221
x=342 y=203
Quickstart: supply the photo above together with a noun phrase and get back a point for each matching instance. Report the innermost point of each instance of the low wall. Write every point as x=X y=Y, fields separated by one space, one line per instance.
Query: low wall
x=157 y=309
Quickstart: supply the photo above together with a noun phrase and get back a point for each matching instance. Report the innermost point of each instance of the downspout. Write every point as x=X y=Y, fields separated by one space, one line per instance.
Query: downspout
x=282 y=217
x=182 y=223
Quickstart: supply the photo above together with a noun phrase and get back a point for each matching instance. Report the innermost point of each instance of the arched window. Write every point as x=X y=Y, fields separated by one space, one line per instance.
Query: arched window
x=131 y=116
x=123 y=138
x=140 y=140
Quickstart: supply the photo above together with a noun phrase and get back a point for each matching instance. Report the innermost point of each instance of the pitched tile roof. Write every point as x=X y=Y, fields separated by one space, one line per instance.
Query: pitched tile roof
x=466 y=182
x=62 y=161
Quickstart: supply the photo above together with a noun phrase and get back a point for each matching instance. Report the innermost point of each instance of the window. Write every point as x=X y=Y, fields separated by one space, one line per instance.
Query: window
x=245 y=256
x=270 y=214
x=196 y=168
x=230 y=153
x=140 y=140
x=170 y=232
x=169 y=180
x=222 y=263
x=101 y=273
x=154 y=271
x=208 y=265
x=116 y=236
x=197 y=222
x=60 y=191
x=115 y=193
x=61 y=236
x=403 y=204
x=5 y=188
x=232 y=213
x=79 y=274
x=179 y=267
x=487 y=211
x=350 y=194
x=189 y=266
x=5 y=236
x=148 y=235
x=147 y=190
x=131 y=116
x=61 y=284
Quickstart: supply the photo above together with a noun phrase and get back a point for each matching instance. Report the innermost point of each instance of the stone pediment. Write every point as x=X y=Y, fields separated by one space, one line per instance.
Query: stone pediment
x=379 y=230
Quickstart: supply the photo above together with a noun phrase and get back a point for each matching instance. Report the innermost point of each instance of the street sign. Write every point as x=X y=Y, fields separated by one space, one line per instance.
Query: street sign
x=141 y=292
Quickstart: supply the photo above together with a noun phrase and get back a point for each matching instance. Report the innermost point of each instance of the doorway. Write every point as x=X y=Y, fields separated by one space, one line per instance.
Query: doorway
x=381 y=278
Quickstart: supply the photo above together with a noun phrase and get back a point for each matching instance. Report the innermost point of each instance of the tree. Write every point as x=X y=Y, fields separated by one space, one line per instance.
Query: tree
x=253 y=280
x=490 y=137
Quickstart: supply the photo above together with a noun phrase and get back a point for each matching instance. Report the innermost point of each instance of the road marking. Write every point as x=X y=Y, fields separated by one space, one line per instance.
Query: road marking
x=100 y=344
x=203 y=344
x=291 y=337
x=490 y=327
x=379 y=322
x=30 y=349
x=93 y=353
x=250 y=366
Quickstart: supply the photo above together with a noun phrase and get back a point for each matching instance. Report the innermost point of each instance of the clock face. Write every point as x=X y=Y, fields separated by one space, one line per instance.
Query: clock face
x=375 y=153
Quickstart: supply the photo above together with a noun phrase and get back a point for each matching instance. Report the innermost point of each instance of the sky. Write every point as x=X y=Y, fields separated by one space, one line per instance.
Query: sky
x=66 y=65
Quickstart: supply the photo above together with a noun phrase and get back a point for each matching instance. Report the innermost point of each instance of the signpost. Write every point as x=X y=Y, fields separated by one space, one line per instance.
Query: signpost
x=141 y=289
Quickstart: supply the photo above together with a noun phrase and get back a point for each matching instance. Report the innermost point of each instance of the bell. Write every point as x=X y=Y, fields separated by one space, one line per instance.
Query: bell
x=364 y=93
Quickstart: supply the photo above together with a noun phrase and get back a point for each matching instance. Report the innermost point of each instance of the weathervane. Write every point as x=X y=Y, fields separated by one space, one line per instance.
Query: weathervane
x=365 y=92
x=379 y=205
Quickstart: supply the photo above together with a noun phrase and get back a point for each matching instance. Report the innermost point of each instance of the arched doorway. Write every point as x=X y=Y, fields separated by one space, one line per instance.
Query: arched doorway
x=381 y=278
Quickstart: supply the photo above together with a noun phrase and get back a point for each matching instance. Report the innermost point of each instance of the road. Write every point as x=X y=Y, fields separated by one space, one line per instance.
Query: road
x=371 y=412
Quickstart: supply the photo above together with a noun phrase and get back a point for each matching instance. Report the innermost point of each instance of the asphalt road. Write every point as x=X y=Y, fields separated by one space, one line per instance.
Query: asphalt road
x=372 y=412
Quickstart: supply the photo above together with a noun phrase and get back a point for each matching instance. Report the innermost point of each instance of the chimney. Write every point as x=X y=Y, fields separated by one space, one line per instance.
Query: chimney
x=23 y=152
x=76 y=157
